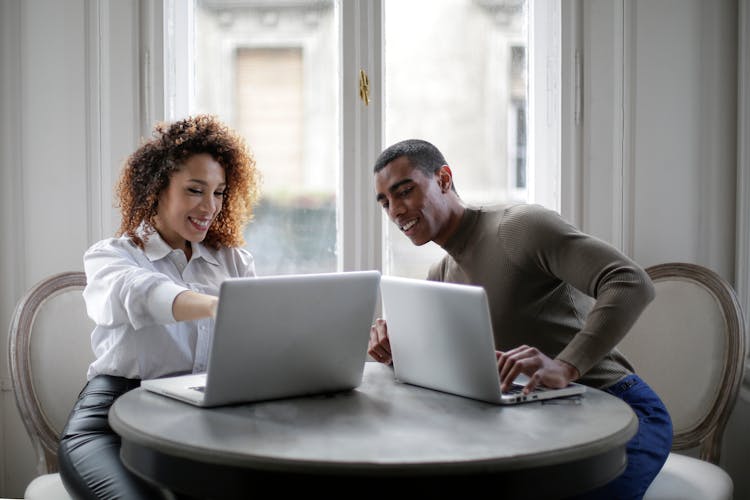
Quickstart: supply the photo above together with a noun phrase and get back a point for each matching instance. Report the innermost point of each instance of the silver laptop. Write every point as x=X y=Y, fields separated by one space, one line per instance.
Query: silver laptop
x=441 y=338
x=283 y=336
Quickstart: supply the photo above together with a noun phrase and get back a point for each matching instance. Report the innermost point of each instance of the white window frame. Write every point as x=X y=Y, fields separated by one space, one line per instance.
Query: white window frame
x=544 y=104
x=168 y=93
x=361 y=242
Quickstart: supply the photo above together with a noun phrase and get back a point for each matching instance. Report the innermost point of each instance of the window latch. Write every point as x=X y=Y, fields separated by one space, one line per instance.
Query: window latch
x=364 y=87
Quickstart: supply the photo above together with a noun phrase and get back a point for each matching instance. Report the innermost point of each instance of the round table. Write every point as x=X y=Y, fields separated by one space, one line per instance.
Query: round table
x=383 y=434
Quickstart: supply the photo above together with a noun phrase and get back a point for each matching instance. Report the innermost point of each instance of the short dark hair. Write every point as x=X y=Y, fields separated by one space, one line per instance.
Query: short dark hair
x=421 y=154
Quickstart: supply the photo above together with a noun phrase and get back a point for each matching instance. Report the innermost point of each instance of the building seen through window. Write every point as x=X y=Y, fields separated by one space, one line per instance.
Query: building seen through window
x=454 y=74
x=270 y=69
x=454 y=77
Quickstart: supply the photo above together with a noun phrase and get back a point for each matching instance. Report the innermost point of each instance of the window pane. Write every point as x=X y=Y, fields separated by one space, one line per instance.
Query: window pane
x=458 y=79
x=270 y=70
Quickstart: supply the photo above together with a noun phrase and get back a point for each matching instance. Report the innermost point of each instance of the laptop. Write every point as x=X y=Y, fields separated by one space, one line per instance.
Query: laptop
x=283 y=336
x=441 y=338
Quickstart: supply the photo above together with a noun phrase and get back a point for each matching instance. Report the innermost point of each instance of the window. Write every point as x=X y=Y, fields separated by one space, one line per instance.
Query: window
x=284 y=74
x=271 y=71
x=457 y=78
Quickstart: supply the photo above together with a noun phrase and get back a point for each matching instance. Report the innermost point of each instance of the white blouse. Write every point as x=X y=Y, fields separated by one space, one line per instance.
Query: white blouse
x=129 y=295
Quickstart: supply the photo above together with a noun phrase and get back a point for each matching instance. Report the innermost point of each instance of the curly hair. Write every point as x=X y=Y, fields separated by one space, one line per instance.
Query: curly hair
x=147 y=172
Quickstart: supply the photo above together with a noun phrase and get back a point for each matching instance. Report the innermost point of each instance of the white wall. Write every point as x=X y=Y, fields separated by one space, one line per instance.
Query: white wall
x=660 y=143
x=69 y=108
x=660 y=129
x=43 y=174
x=658 y=150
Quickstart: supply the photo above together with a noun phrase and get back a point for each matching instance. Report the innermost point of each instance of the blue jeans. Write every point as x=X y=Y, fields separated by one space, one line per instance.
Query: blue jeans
x=647 y=450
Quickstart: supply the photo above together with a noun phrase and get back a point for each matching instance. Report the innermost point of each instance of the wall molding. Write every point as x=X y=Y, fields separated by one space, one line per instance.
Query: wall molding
x=11 y=60
x=571 y=90
x=627 y=165
x=95 y=155
x=742 y=255
x=607 y=172
x=115 y=108
x=152 y=63
x=12 y=220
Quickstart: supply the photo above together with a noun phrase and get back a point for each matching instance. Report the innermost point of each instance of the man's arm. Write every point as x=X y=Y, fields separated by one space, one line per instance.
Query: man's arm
x=620 y=287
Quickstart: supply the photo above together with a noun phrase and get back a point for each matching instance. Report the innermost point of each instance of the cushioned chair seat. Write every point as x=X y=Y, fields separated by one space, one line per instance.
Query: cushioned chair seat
x=46 y=487
x=695 y=320
x=685 y=477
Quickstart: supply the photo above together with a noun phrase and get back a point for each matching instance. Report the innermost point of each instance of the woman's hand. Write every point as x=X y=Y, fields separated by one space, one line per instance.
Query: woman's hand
x=379 y=346
x=533 y=363
x=213 y=306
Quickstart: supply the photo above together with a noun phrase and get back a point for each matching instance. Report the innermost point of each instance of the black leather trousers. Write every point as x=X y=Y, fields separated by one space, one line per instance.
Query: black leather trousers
x=89 y=450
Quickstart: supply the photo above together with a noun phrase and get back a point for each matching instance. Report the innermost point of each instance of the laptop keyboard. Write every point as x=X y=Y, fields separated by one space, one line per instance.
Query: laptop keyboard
x=514 y=389
x=517 y=388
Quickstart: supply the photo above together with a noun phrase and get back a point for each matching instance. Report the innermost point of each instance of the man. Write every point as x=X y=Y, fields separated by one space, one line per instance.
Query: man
x=564 y=299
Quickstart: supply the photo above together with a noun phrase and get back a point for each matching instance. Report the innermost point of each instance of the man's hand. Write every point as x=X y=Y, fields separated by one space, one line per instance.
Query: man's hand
x=540 y=369
x=379 y=346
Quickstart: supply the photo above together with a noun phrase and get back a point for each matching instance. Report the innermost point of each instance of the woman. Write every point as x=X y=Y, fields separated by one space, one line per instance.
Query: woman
x=184 y=198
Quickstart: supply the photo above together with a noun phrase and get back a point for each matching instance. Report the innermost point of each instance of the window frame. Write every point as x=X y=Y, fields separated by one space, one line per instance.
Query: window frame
x=169 y=92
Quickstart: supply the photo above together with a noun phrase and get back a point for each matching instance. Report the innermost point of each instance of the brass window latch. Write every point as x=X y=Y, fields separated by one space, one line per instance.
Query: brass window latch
x=364 y=87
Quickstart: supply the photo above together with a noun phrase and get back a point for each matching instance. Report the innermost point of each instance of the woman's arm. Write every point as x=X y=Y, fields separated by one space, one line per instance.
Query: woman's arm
x=121 y=290
x=190 y=305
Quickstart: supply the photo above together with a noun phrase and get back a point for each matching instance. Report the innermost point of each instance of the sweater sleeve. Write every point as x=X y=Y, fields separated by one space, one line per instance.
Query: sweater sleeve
x=620 y=287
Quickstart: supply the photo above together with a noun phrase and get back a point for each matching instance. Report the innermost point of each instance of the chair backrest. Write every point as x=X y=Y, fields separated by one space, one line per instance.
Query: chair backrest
x=50 y=349
x=689 y=345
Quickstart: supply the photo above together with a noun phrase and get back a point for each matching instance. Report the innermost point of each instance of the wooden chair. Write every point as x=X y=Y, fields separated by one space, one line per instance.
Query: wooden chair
x=689 y=345
x=49 y=352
